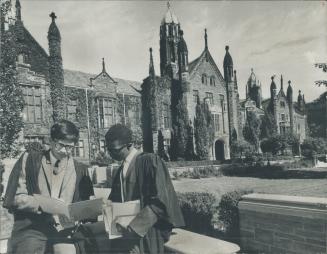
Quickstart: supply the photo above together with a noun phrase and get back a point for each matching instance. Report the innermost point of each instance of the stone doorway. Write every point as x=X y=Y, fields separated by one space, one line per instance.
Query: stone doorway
x=220 y=150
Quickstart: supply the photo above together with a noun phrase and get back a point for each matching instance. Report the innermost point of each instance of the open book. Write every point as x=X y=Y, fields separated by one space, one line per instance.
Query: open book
x=123 y=213
x=87 y=209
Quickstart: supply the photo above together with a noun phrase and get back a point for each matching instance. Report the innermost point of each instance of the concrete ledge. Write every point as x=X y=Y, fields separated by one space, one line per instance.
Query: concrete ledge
x=283 y=224
x=186 y=242
x=308 y=207
x=312 y=202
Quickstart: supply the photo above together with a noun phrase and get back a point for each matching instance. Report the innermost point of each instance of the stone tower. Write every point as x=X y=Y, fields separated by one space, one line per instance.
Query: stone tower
x=232 y=96
x=290 y=103
x=169 y=40
x=253 y=90
x=56 y=75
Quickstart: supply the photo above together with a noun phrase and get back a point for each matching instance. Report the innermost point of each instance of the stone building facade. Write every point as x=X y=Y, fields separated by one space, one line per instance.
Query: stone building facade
x=288 y=116
x=95 y=102
x=200 y=78
x=92 y=102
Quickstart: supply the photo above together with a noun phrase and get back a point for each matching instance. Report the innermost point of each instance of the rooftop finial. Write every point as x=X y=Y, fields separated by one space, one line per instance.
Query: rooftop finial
x=272 y=77
x=18 y=10
x=251 y=70
x=205 y=38
x=289 y=82
x=53 y=16
x=168 y=5
x=227 y=48
x=151 y=66
x=103 y=65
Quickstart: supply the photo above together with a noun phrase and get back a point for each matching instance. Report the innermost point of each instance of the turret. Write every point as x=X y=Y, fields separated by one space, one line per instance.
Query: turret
x=169 y=39
x=56 y=74
x=290 y=103
x=151 y=65
x=18 y=11
x=228 y=66
x=289 y=93
x=182 y=54
x=273 y=88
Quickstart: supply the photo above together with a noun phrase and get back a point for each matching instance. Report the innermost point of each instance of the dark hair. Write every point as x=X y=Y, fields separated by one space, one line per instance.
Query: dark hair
x=119 y=132
x=64 y=130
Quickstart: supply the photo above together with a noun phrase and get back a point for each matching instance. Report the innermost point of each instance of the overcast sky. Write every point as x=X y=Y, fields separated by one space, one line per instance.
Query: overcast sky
x=271 y=37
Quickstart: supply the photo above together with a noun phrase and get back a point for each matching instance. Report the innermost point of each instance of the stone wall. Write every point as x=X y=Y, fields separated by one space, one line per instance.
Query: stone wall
x=283 y=224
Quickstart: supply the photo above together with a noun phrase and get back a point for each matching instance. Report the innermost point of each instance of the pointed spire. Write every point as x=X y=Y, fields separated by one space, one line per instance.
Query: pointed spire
x=18 y=11
x=103 y=66
x=273 y=85
x=281 y=83
x=205 y=39
x=151 y=66
x=289 y=92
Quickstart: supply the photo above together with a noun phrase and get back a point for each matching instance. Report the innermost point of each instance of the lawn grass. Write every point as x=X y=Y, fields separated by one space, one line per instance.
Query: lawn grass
x=221 y=185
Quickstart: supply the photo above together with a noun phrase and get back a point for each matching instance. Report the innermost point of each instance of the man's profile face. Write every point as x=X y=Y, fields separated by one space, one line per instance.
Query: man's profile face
x=62 y=148
x=117 y=150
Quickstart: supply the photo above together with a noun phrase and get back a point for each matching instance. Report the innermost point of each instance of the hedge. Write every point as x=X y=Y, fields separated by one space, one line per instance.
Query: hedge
x=276 y=171
x=203 y=213
x=198 y=209
x=174 y=164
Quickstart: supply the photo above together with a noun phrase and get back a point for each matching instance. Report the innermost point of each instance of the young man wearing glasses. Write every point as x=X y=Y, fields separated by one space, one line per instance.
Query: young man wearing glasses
x=52 y=173
x=144 y=177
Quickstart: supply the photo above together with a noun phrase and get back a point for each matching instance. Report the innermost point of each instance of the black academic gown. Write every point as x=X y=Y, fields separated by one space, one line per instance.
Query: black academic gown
x=147 y=179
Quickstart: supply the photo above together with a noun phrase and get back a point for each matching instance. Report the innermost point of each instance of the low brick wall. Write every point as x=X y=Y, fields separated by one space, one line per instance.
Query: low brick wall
x=283 y=224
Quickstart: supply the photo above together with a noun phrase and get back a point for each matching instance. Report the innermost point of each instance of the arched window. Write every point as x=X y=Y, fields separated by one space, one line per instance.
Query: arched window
x=204 y=79
x=212 y=81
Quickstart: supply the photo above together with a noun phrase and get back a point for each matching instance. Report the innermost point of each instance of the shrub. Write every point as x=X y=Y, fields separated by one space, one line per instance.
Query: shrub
x=242 y=170
x=198 y=210
x=175 y=175
x=228 y=218
x=312 y=146
x=199 y=172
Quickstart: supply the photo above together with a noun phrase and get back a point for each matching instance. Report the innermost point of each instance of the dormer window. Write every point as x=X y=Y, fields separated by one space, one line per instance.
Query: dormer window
x=282 y=104
x=204 y=79
x=212 y=81
x=22 y=58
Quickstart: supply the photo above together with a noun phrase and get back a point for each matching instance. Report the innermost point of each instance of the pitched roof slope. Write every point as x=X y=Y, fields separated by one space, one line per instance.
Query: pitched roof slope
x=82 y=80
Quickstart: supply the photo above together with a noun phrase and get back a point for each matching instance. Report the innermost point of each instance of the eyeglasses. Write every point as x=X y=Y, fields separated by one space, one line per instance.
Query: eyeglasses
x=116 y=150
x=60 y=145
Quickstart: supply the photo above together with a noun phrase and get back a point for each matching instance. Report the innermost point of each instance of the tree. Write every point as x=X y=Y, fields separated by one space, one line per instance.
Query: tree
x=11 y=97
x=241 y=147
x=251 y=131
x=179 y=122
x=323 y=66
x=201 y=132
x=189 y=153
x=267 y=126
x=313 y=146
x=279 y=143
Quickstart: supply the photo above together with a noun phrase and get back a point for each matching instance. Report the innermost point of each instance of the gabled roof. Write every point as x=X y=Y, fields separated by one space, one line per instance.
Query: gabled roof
x=196 y=62
x=27 y=34
x=281 y=93
x=82 y=80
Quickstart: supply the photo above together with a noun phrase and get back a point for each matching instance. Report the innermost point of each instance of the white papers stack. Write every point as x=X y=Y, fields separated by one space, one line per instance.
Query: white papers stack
x=122 y=213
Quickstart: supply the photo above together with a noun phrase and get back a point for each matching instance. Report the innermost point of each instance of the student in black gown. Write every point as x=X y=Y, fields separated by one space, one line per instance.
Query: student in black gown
x=144 y=177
